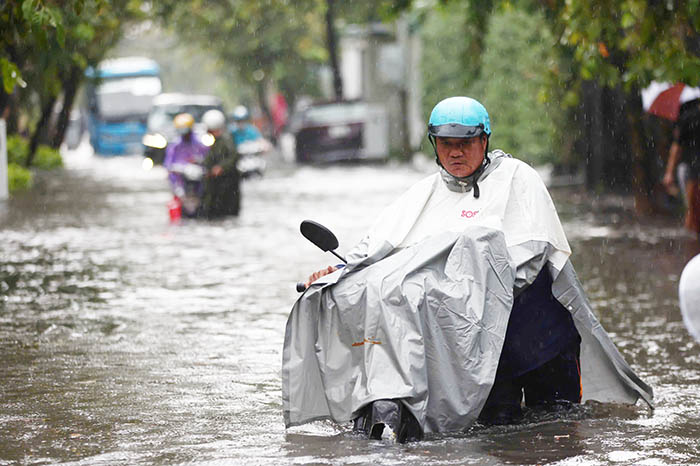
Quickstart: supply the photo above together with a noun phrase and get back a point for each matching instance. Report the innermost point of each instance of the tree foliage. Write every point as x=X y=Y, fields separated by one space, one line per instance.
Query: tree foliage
x=261 y=41
x=617 y=48
x=46 y=46
x=25 y=22
x=630 y=42
x=627 y=42
x=445 y=71
x=279 y=42
x=525 y=115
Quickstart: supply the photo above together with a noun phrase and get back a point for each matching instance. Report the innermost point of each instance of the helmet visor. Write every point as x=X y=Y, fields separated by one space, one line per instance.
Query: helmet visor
x=455 y=130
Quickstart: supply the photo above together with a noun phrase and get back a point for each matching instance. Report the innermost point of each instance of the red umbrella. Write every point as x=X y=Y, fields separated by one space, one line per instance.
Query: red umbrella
x=665 y=99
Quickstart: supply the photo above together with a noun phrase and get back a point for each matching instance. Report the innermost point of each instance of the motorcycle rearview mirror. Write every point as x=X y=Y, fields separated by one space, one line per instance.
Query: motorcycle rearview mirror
x=322 y=237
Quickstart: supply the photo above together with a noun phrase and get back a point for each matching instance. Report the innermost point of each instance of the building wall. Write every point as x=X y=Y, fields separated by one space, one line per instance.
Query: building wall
x=380 y=65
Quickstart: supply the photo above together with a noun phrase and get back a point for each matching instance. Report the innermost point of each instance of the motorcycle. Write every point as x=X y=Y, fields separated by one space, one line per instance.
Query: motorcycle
x=188 y=197
x=399 y=336
x=251 y=160
x=381 y=419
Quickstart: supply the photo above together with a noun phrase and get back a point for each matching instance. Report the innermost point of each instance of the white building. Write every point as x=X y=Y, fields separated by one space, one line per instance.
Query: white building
x=380 y=65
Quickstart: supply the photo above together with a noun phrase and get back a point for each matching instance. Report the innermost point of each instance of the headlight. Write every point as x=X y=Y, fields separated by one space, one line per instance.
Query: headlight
x=207 y=139
x=155 y=140
x=147 y=163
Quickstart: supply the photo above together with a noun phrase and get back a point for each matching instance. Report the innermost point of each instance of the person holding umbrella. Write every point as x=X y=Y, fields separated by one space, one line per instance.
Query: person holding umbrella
x=681 y=104
x=686 y=148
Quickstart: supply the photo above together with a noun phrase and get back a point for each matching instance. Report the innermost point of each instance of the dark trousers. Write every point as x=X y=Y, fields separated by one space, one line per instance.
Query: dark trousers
x=555 y=383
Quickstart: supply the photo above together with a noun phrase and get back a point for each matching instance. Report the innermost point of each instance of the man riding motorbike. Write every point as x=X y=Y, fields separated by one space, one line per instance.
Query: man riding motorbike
x=242 y=130
x=222 y=195
x=460 y=301
x=250 y=144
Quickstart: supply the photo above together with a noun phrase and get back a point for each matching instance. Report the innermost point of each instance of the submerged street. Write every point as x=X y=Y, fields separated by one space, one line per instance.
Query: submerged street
x=129 y=340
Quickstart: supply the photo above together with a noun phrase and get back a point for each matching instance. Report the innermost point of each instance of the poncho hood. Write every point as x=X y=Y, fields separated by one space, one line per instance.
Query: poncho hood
x=466 y=184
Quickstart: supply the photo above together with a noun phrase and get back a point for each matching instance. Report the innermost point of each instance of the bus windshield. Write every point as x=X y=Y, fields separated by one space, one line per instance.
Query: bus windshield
x=127 y=97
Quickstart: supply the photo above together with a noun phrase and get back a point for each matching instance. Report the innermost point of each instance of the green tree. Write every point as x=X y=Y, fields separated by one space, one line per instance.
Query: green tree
x=23 y=23
x=618 y=47
x=48 y=46
x=631 y=42
x=91 y=31
x=514 y=76
x=447 y=68
x=20 y=20
x=271 y=41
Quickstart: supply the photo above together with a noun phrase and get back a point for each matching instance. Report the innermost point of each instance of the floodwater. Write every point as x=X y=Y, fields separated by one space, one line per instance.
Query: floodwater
x=127 y=340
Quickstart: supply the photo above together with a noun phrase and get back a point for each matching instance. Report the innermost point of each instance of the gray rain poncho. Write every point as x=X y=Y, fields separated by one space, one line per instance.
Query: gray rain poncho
x=422 y=317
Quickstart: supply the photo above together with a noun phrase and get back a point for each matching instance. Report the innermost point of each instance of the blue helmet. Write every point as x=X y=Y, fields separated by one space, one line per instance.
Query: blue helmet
x=459 y=117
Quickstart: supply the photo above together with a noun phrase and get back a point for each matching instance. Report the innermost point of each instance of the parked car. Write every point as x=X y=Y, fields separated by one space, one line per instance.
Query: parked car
x=160 y=129
x=335 y=131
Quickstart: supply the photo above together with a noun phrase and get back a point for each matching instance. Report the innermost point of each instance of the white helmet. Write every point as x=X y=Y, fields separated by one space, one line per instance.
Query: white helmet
x=214 y=120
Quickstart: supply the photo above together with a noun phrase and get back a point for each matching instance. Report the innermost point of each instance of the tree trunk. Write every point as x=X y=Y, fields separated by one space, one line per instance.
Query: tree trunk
x=17 y=59
x=333 y=50
x=594 y=116
x=262 y=101
x=4 y=101
x=70 y=90
x=39 y=131
x=405 y=133
x=12 y=115
x=642 y=181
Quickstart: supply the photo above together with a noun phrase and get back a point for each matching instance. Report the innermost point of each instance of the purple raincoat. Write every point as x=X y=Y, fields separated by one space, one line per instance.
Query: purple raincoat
x=182 y=152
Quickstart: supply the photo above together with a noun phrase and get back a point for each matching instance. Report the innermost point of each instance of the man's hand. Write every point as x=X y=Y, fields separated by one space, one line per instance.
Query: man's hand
x=674 y=157
x=670 y=184
x=216 y=170
x=316 y=275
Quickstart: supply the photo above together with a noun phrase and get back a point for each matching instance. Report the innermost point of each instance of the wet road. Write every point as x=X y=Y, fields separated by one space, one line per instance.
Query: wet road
x=127 y=340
